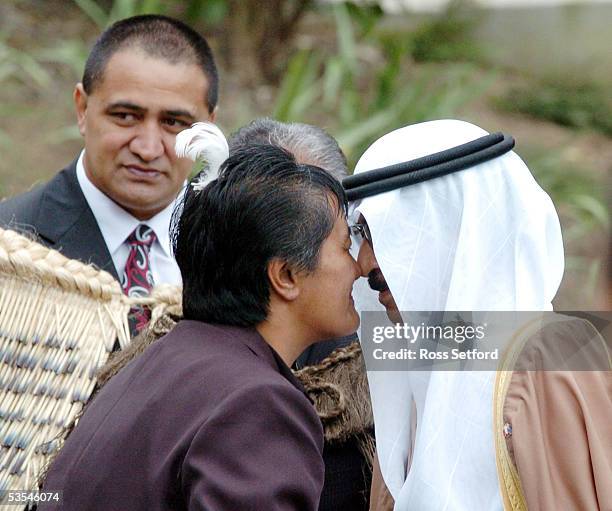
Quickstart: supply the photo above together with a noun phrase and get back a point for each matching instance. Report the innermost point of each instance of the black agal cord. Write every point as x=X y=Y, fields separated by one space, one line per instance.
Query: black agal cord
x=428 y=167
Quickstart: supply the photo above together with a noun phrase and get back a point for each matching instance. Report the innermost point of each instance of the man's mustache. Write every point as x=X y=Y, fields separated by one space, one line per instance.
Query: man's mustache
x=376 y=280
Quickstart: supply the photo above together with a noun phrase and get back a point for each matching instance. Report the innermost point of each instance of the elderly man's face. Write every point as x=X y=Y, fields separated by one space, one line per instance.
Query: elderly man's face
x=370 y=269
x=130 y=122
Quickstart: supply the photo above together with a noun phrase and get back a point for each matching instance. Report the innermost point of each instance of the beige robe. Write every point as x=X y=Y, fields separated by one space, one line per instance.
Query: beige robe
x=558 y=452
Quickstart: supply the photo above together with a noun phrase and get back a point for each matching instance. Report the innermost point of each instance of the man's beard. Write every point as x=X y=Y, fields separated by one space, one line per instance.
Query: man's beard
x=376 y=281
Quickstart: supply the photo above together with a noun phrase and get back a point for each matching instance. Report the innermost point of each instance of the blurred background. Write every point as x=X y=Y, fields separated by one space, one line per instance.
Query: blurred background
x=539 y=70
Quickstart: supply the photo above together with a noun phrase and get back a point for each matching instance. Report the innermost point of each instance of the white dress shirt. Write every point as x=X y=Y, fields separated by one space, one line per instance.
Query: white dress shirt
x=116 y=224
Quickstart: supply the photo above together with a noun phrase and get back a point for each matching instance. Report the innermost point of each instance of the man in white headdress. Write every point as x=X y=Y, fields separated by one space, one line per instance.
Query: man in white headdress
x=482 y=238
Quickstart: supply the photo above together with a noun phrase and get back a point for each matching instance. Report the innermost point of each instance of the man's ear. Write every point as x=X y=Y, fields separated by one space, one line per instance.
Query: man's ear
x=80 y=102
x=213 y=115
x=283 y=280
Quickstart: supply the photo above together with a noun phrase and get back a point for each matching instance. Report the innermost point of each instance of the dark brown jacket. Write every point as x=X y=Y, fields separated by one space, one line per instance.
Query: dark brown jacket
x=207 y=418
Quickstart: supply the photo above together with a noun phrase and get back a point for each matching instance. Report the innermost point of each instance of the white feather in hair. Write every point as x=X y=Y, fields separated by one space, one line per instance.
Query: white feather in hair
x=205 y=142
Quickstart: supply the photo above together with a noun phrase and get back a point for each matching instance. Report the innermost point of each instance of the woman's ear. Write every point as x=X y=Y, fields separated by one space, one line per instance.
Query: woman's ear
x=283 y=280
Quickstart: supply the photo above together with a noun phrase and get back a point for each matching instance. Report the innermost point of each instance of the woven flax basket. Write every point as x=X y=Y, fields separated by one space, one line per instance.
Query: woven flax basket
x=59 y=319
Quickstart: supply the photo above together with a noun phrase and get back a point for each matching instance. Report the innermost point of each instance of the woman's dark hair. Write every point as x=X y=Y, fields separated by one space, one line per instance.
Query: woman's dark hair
x=263 y=206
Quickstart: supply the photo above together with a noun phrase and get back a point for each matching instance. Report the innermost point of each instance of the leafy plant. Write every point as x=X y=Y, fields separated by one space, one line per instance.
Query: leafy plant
x=119 y=9
x=20 y=66
x=24 y=70
x=584 y=214
x=71 y=53
x=211 y=12
x=564 y=101
x=580 y=195
x=367 y=97
x=448 y=36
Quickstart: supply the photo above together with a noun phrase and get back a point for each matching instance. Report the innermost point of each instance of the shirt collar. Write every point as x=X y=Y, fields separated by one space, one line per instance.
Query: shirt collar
x=115 y=223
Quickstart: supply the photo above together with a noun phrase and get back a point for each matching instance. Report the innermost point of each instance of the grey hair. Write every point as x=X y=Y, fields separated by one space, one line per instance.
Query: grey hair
x=309 y=144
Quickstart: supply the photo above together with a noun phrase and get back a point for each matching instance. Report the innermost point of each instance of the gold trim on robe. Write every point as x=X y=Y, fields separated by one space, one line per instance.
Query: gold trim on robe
x=552 y=417
x=509 y=480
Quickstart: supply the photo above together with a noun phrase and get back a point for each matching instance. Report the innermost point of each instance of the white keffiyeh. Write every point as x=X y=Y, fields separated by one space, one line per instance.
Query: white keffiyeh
x=483 y=239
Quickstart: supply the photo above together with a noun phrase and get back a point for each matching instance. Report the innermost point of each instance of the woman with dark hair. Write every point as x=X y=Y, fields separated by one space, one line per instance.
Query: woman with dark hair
x=210 y=416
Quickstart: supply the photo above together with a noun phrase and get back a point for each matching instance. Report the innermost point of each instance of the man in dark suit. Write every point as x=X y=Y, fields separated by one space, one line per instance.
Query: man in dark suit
x=146 y=79
x=210 y=416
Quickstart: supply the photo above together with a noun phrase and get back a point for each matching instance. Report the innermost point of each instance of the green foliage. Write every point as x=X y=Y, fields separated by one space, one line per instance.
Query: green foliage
x=297 y=91
x=581 y=195
x=20 y=66
x=564 y=101
x=583 y=207
x=448 y=36
x=211 y=12
x=366 y=16
x=365 y=98
x=20 y=69
x=120 y=9
x=71 y=53
x=94 y=11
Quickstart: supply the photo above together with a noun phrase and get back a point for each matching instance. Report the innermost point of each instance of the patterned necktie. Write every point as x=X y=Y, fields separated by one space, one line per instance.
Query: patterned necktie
x=137 y=279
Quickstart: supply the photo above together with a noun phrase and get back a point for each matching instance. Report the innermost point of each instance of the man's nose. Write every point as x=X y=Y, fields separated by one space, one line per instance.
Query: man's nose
x=366 y=259
x=356 y=269
x=148 y=143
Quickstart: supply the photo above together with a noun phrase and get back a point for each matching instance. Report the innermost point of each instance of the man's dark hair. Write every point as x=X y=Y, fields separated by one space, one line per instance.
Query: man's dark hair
x=262 y=206
x=308 y=143
x=160 y=37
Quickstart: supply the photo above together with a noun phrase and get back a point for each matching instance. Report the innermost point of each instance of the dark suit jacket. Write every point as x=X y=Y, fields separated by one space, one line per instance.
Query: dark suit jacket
x=208 y=418
x=57 y=213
